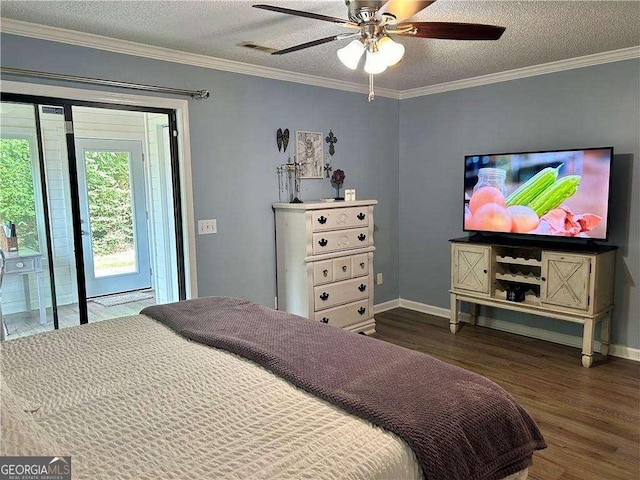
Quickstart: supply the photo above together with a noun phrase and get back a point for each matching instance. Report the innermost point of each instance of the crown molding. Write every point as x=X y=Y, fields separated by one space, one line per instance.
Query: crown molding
x=542 y=69
x=55 y=34
x=71 y=37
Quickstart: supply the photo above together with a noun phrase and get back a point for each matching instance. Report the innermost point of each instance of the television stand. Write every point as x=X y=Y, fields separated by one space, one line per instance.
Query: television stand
x=552 y=280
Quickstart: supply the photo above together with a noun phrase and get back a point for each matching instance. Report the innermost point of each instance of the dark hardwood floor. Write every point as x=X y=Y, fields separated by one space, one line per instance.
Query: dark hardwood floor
x=590 y=418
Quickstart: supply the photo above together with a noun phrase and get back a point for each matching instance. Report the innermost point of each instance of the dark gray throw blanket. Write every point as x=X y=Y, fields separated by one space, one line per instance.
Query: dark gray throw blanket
x=459 y=424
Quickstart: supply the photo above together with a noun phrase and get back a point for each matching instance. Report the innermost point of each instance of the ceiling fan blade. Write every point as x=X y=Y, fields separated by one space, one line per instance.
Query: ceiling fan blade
x=300 y=13
x=313 y=43
x=451 y=31
x=403 y=9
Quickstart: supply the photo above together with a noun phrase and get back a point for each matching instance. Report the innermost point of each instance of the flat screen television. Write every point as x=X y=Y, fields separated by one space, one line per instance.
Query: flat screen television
x=561 y=193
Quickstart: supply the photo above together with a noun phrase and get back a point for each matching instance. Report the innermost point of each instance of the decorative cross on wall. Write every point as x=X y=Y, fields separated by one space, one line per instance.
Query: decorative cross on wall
x=331 y=140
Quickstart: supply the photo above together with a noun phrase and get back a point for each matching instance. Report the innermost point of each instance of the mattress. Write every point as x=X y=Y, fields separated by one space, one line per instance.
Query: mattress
x=128 y=398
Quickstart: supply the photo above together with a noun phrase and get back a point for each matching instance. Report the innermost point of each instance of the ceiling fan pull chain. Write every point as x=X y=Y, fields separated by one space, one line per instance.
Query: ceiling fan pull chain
x=372 y=95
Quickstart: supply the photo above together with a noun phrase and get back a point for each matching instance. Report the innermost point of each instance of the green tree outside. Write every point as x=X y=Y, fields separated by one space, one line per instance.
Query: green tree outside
x=17 y=200
x=108 y=186
x=109 y=202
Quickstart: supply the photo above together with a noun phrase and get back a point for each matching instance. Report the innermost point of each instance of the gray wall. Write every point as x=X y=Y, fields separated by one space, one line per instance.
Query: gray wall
x=234 y=156
x=594 y=106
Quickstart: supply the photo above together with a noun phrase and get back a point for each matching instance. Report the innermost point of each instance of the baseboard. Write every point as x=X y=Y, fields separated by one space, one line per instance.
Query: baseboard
x=384 y=306
x=424 y=308
x=621 y=351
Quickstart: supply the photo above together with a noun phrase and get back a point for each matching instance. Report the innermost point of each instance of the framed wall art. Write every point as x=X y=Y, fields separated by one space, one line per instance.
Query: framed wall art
x=309 y=154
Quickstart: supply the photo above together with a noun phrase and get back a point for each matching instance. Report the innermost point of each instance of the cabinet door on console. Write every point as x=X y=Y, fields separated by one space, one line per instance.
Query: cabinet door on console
x=470 y=267
x=565 y=280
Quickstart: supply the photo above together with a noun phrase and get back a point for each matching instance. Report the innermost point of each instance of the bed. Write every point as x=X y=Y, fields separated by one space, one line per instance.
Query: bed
x=131 y=398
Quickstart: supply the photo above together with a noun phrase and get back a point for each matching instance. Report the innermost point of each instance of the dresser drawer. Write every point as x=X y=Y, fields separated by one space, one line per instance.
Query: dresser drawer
x=327 y=296
x=20 y=265
x=339 y=218
x=326 y=242
x=345 y=315
x=341 y=268
x=323 y=272
x=360 y=265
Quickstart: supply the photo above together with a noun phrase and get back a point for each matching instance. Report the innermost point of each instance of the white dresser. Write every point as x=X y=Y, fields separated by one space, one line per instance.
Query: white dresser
x=325 y=262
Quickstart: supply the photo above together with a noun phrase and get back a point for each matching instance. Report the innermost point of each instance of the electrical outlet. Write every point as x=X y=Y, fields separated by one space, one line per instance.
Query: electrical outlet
x=206 y=227
x=379 y=279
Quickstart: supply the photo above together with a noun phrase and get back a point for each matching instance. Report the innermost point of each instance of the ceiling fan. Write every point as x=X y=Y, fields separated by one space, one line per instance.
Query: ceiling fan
x=373 y=21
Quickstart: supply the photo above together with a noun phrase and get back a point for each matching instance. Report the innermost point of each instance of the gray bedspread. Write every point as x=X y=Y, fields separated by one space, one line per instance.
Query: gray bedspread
x=460 y=424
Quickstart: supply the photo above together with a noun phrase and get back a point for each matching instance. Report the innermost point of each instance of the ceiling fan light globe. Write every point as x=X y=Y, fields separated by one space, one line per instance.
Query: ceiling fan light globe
x=390 y=50
x=375 y=63
x=350 y=54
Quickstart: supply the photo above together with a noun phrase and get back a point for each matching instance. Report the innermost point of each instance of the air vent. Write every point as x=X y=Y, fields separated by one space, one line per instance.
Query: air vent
x=53 y=110
x=255 y=46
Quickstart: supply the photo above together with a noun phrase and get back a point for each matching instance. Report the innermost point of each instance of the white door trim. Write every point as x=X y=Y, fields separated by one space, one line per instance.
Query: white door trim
x=184 y=150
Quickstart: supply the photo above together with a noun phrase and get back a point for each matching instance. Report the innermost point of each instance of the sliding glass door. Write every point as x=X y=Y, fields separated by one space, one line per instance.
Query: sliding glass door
x=88 y=216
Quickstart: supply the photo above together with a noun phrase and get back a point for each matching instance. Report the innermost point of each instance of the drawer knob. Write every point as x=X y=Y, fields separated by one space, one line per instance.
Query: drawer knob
x=484 y=271
x=322 y=219
x=543 y=279
x=361 y=310
x=325 y=272
x=19 y=265
x=344 y=268
x=361 y=237
x=361 y=216
x=362 y=287
x=362 y=264
x=322 y=242
x=324 y=320
x=324 y=296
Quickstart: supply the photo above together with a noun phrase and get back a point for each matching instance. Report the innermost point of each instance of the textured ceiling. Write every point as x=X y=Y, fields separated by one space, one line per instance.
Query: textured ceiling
x=537 y=32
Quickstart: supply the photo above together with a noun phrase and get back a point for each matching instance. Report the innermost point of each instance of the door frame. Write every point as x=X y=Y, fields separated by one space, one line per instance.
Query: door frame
x=179 y=122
